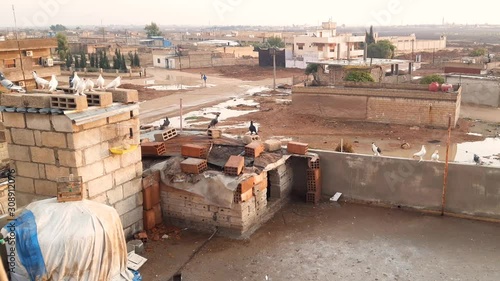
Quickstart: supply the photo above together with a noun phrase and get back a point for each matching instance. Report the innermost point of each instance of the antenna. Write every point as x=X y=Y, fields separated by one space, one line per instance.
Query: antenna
x=19 y=48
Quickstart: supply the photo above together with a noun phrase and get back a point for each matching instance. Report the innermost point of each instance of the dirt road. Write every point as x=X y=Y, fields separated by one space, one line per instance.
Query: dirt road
x=338 y=242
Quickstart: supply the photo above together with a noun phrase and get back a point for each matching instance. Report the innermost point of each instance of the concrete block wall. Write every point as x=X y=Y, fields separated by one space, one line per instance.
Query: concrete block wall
x=281 y=180
x=43 y=148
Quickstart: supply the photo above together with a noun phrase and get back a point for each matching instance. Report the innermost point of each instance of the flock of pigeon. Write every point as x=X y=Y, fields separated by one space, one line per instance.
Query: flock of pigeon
x=79 y=85
x=434 y=157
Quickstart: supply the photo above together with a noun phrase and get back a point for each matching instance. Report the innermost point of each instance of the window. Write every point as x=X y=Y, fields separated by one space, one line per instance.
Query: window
x=10 y=63
x=300 y=46
x=159 y=61
x=320 y=48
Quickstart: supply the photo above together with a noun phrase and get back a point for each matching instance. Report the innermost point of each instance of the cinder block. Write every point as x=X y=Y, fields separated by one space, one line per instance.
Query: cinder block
x=68 y=102
x=254 y=149
x=193 y=166
x=243 y=197
x=149 y=219
x=70 y=158
x=100 y=185
x=124 y=175
x=166 y=135
x=313 y=197
x=150 y=179
x=119 y=117
x=260 y=186
x=127 y=205
x=46 y=188
x=124 y=95
x=260 y=177
x=246 y=184
x=19 y=152
x=25 y=185
x=194 y=150
x=313 y=163
x=51 y=139
x=22 y=136
x=43 y=155
x=37 y=100
x=38 y=122
x=214 y=133
x=297 y=148
x=234 y=165
x=12 y=100
x=101 y=99
x=14 y=120
x=272 y=145
x=248 y=139
x=158 y=216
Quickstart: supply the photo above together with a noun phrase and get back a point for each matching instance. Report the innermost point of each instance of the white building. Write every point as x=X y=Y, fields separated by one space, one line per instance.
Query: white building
x=409 y=44
x=324 y=44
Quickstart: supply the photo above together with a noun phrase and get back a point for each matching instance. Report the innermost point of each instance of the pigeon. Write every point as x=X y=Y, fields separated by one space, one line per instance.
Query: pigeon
x=435 y=156
x=89 y=85
x=9 y=85
x=115 y=83
x=53 y=83
x=75 y=80
x=477 y=160
x=214 y=121
x=100 y=82
x=165 y=124
x=421 y=153
x=80 y=87
x=252 y=128
x=376 y=150
x=40 y=81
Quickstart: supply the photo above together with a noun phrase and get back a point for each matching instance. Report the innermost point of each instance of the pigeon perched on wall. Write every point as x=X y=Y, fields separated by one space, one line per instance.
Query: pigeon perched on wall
x=75 y=80
x=252 y=128
x=89 y=85
x=477 y=159
x=53 y=83
x=165 y=124
x=435 y=156
x=80 y=87
x=40 y=82
x=214 y=121
x=100 y=82
x=376 y=150
x=9 y=85
x=115 y=83
x=421 y=153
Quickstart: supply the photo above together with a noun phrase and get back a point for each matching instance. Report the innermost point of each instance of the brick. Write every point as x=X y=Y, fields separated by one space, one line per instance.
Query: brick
x=70 y=158
x=234 y=165
x=313 y=163
x=12 y=100
x=246 y=184
x=248 y=139
x=84 y=139
x=14 y=120
x=193 y=166
x=158 y=216
x=96 y=153
x=151 y=178
x=260 y=186
x=100 y=99
x=24 y=184
x=124 y=95
x=243 y=197
x=153 y=148
x=38 y=122
x=297 y=148
x=53 y=172
x=132 y=187
x=130 y=158
x=149 y=219
x=112 y=163
x=22 y=137
x=138 y=170
x=8 y=136
x=166 y=135
x=272 y=145
x=68 y=102
x=214 y=133
x=313 y=197
x=19 y=152
x=100 y=185
x=51 y=139
x=194 y=150
x=43 y=155
x=260 y=177
x=27 y=169
x=90 y=172
x=126 y=205
x=119 y=117
x=41 y=171
x=61 y=123
x=38 y=138
x=151 y=196
x=45 y=187
x=115 y=195
x=94 y=124
x=132 y=217
x=125 y=174
x=254 y=149
x=37 y=100
x=202 y=213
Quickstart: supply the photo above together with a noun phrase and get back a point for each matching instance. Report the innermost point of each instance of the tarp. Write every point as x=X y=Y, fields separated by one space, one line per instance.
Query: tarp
x=80 y=240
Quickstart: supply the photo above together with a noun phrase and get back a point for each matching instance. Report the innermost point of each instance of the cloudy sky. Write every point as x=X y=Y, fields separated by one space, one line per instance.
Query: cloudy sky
x=246 y=12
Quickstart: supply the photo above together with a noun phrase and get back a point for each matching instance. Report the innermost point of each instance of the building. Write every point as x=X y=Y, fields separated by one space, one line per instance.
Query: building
x=17 y=64
x=410 y=44
x=477 y=89
x=189 y=58
x=324 y=44
x=156 y=41
x=474 y=66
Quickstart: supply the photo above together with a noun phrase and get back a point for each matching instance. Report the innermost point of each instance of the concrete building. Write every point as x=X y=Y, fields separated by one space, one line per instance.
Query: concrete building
x=410 y=44
x=171 y=58
x=477 y=90
x=324 y=44
x=17 y=64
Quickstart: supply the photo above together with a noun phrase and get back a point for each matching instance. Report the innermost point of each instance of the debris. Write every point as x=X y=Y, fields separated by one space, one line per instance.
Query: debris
x=405 y=145
x=136 y=245
x=165 y=236
x=336 y=197
x=415 y=128
x=134 y=261
x=143 y=236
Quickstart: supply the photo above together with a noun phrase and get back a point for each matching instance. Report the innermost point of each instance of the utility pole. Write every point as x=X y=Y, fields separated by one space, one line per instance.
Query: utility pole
x=445 y=184
x=19 y=49
x=273 y=53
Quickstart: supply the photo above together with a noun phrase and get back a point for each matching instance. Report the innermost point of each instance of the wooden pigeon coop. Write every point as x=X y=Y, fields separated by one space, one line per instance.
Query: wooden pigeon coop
x=69 y=189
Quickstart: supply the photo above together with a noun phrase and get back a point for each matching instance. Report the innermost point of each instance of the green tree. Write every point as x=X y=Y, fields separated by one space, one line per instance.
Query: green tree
x=478 y=52
x=312 y=69
x=359 y=76
x=62 y=46
x=83 y=60
x=69 y=59
x=58 y=28
x=92 y=60
x=275 y=42
x=369 y=37
x=137 y=62
x=131 y=59
x=383 y=49
x=77 y=62
x=432 y=78
x=152 y=30
x=123 y=63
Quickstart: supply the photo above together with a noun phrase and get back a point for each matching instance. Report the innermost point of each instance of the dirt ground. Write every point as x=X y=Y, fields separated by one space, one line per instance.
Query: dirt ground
x=336 y=242
x=150 y=94
x=247 y=72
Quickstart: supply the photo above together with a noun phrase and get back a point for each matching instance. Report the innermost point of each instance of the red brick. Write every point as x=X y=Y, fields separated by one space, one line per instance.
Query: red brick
x=150 y=179
x=313 y=197
x=254 y=149
x=155 y=193
x=260 y=186
x=234 y=165
x=297 y=148
x=158 y=216
x=153 y=148
x=149 y=219
x=147 y=198
x=246 y=184
x=194 y=150
x=193 y=166
x=214 y=133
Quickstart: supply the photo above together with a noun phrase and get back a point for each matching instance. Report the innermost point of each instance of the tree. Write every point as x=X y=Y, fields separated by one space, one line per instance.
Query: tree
x=152 y=30
x=123 y=63
x=137 y=62
x=62 y=46
x=69 y=59
x=92 y=60
x=383 y=49
x=432 y=78
x=312 y=69
x=369 y=37
x=58 y=28
x=131 y=59
x=359 y=76
x=83 y=60
x=77 y=62
x=275 y=42
x=478 y=52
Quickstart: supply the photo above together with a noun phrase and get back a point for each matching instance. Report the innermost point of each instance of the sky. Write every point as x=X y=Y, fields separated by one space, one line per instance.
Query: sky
x=43 y=13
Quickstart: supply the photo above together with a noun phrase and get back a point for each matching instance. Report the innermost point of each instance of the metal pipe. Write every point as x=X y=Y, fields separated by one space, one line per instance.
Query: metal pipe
x=445 y=183
x=181 y=114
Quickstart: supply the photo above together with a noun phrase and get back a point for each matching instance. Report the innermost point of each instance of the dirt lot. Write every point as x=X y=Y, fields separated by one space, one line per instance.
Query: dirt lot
x=247 y=73
x=150 y=94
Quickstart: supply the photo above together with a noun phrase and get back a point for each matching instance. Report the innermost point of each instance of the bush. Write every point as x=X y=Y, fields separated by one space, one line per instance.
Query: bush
x=432 y=78
x=478 y=52
x=359 y=76
x=346 y=147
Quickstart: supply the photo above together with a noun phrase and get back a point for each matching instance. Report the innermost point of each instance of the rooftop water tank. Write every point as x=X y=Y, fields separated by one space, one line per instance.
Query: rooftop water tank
x=447 y=87
x=434 y=87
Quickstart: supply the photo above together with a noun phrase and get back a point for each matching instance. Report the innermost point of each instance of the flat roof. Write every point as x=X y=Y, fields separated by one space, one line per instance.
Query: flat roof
x=361 y=62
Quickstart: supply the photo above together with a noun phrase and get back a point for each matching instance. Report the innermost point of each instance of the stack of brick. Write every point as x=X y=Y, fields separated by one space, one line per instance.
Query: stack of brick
x=44 y=148
x=313 y=181
x=297 y=148
x=196 y=162
x=281 y=180
x=151 y=200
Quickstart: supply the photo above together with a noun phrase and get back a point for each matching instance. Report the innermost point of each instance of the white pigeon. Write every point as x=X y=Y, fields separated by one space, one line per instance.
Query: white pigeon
x=80 y=88
x=40 y=81
x=376 y=150
x=115 y=83
x=100 y=82
x=89 y=85
x=435 y=156
x=421 y=153
x=75 y=80
x=53 y=83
